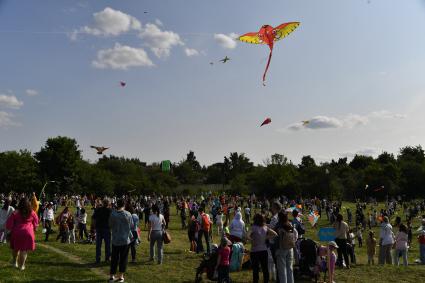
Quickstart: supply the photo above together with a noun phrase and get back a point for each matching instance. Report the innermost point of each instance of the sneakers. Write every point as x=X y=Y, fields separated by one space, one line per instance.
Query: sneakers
x=111 y=279
x=22 y=268
x=120 y=280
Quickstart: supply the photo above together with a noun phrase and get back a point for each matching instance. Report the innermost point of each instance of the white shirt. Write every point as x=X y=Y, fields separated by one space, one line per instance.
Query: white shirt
x=156 y=222
x=386 y=234
x=48 y=214
x=4 y=215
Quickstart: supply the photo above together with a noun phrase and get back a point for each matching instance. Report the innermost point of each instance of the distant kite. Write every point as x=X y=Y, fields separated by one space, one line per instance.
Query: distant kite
x=123 y=84
x=268 y=35
x=225 y=59
x=266 y=122
x=99 y=149
x=305 y=123
x=379 y=189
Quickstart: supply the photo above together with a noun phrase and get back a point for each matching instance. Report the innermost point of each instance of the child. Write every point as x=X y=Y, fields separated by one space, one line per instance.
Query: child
x=359 y=236
x=71 y=229
x=371 y=247
x=272 y=267
x=223 y=261
x=351 y=245
x=191 y=233
x=63 y=230
x=332 y=246
x=219 y=223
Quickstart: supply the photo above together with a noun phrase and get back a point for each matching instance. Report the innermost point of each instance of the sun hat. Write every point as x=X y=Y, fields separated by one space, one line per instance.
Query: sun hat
x=333 y=244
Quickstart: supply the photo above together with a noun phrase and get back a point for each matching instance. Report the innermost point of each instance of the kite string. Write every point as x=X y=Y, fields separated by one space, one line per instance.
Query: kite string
x=267 y=66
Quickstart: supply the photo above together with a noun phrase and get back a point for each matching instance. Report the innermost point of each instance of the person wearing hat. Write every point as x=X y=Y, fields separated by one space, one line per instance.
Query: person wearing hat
x=223 y=261
x=386 y=241
x=332 y=246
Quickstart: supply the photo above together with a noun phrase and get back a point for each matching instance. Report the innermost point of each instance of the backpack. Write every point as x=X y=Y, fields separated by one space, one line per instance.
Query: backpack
x=206 y=225
x=286 y=239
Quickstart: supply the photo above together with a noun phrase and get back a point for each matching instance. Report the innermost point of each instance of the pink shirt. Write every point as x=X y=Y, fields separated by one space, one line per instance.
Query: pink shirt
x=225 y=256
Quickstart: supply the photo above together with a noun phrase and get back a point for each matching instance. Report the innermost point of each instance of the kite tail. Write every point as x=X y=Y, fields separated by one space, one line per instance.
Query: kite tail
x=267 y=67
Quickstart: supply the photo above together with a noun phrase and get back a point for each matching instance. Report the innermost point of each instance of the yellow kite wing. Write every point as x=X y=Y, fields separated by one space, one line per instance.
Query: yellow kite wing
x=251 y=37
x=284 y=30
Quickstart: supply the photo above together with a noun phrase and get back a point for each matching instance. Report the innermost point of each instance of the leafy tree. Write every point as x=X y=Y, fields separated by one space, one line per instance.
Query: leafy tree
x=58 y=160
x=18 y=172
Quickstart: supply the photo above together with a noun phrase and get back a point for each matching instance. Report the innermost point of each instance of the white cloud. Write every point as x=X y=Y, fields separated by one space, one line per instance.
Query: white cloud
x=348 y=122
x=31 y=92
x=122 y=57
x=226 y=40
x=160 y=42
x=109 y=22
x=6 y=120
x=10 y=101
x=191 y=52
x=159 y=23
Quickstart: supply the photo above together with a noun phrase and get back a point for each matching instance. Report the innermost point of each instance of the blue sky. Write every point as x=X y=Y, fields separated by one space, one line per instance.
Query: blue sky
x=354 y=69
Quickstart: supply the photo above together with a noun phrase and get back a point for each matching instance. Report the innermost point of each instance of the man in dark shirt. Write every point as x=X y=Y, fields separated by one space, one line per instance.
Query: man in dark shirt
x=103 y=232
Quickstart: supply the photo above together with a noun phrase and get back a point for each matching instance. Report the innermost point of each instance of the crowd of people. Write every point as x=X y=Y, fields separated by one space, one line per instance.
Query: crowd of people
x=272 y=228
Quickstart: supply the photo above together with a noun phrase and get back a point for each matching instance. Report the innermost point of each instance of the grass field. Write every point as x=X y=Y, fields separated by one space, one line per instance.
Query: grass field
x=57 y=262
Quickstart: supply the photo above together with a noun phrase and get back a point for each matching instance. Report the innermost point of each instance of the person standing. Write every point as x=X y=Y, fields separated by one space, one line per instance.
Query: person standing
x=5 y=213
x=401 y=243
x=386 y=241
x=134 y=227
x=223 y=261
x=258 y=235
x=82 y=224
x=22 y=225
x=287 y=236
x=120 y=222
x=155 y=235
x=48 y=217
x=371 y=248
x=204 y=229
x=103 y=233
x=341 y=236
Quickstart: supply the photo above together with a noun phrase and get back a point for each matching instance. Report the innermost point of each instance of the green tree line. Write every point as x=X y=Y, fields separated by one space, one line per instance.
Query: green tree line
x=60 y=160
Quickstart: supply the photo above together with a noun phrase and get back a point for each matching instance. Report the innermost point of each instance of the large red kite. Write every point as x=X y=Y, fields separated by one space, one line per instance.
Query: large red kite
x=268 y=35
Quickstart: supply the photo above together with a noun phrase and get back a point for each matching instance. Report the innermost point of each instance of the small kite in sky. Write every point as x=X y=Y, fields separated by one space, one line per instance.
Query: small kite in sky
x=225 y=59
x=99 y=149
x=379 y=189
x=211 y=63
x=123 y=84
x=268 y=35
x=266 y=122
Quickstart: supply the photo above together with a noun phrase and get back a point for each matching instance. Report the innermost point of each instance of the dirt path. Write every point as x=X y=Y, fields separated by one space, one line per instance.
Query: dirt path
x=74 y=259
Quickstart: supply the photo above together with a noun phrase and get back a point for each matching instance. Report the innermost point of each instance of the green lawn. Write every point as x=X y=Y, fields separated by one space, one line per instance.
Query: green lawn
x=45 y=265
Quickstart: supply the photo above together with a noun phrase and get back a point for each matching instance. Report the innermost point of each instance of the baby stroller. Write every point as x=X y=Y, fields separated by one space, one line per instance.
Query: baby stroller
x=207 y=266
x=307 y=259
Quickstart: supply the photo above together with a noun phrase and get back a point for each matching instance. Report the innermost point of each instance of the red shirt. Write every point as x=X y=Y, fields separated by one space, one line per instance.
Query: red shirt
x=225 y=256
